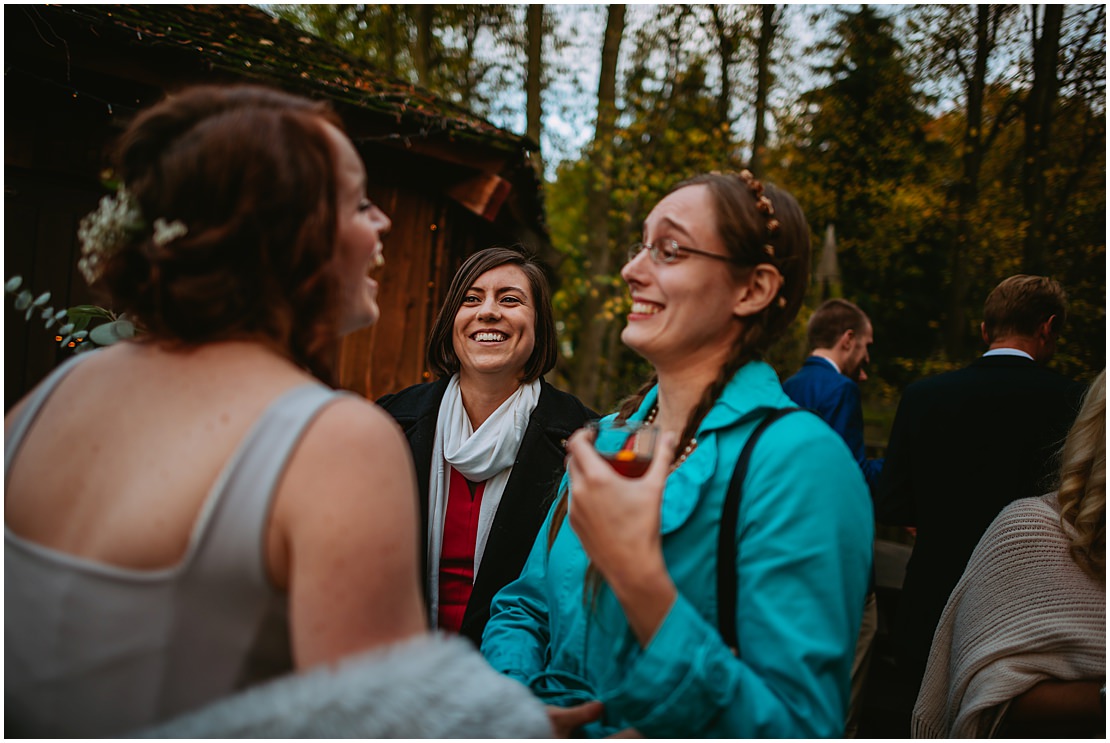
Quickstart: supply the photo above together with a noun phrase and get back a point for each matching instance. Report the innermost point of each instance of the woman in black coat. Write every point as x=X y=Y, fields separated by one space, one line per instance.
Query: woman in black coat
x=487 y=437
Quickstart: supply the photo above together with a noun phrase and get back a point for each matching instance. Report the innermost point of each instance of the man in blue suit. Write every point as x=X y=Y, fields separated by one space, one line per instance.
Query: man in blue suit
x=839 y=335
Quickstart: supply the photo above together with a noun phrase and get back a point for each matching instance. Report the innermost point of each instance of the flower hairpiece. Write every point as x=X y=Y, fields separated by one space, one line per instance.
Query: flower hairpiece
x=115 y=222
x=166 y=232
x=767 y=209
x=763 y=204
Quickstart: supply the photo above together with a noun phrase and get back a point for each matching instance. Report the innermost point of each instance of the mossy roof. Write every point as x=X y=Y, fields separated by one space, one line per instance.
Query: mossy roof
x=247 y=42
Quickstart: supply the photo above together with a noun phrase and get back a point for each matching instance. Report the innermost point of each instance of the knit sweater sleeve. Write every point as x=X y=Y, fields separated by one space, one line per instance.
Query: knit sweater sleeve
x=1022 y=612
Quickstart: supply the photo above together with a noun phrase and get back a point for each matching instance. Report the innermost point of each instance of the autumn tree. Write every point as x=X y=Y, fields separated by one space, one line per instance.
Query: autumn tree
x=730 y=28
x=770 y=19
x=962 y=43
x=1049 y=72
x=599 y=186
x=534 y=82
x=857 y=153
x=469 y=54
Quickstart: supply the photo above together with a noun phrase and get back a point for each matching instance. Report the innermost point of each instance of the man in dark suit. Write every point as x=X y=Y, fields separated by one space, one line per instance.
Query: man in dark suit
x=840 y=336
x=965 y=444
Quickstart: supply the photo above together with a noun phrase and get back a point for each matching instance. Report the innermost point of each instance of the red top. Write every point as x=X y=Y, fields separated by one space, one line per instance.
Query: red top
x=456 y=561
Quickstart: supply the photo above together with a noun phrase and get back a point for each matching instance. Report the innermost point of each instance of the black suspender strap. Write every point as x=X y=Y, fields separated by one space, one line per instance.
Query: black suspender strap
x=726 y=538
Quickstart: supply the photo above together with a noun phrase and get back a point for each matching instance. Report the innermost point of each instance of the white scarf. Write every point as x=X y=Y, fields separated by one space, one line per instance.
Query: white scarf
x=485 y=455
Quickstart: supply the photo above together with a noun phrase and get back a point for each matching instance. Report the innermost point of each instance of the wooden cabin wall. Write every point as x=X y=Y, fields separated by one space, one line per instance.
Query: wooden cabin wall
x=390 y=355
x=53 y=150
x=56 y=143
x=429 y=240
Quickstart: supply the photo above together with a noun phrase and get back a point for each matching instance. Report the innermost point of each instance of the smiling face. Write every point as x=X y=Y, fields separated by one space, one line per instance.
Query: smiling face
x=682 y=312
x=494 y=332
x=359 y=231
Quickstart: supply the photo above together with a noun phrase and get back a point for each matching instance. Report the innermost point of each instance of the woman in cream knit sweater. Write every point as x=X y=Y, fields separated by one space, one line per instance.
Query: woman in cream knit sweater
x=1021 y=647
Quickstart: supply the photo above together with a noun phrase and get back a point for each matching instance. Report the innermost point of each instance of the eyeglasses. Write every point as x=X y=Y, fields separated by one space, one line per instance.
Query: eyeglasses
x=669 y=251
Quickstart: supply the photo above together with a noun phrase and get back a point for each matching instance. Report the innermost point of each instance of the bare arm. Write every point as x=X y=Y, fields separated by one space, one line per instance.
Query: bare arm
x=1055 y=709
x=343 y=538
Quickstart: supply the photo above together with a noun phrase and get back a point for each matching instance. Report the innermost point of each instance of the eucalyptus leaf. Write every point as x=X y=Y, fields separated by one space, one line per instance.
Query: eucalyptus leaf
x=42 y=299
x=59 y=314
x=65 y=340
x=23 y=300
x=13 y=283
x=30 y=311
x=66 y=329
x=80 y=335
x=109 y=333
x=90 y=311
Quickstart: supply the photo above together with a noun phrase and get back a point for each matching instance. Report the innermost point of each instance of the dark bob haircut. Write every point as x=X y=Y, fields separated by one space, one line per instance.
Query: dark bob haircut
x=442 y=358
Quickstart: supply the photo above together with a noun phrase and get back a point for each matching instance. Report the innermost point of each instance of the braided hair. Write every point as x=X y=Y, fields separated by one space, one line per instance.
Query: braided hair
x=758 y=224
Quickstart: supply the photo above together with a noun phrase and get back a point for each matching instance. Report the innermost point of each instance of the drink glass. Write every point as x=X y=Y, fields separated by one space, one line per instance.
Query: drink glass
x=627 y=446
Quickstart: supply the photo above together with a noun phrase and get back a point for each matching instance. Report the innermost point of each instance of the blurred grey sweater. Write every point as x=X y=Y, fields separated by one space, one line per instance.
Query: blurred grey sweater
x=436 y=686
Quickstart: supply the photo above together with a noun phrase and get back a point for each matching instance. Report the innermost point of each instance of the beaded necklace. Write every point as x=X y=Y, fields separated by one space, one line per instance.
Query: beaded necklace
x=650 y=418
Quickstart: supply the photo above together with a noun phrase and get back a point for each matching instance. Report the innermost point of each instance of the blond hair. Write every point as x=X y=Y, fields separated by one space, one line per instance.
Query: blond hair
x=1082 y=490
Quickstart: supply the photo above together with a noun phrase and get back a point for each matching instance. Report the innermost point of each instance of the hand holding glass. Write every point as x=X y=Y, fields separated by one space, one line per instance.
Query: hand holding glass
x=627 y=445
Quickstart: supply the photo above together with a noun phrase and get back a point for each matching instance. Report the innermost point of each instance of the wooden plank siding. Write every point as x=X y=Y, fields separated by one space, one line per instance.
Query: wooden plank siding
x=75 y=75
x=390 y=355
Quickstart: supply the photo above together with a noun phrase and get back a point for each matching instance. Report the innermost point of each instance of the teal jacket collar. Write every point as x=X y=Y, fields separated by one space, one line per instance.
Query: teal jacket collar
x=754 y=388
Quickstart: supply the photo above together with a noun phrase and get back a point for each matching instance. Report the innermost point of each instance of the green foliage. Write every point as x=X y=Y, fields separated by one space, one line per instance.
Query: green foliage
x=73 y=323
x=459 y=64
x=876 y=183
x=869 y=148
x=669 y=130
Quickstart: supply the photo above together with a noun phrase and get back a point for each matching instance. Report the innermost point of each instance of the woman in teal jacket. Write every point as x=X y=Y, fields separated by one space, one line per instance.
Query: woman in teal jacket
x=613 y=621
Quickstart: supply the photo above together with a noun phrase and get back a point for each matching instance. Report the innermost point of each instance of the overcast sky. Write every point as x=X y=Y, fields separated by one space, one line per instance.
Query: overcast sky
x=570 y=104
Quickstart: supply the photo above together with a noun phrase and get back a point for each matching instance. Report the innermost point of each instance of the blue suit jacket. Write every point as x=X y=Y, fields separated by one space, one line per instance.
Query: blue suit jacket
x=819 y=387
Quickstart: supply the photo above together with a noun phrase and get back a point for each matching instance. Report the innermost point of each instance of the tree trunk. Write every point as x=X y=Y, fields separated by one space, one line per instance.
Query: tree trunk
x=767 y=31
x=1038 y=125
x=726 y=48
x=390 y=43
x=534 y=85
x=471 y=26
x=587 y=355
x=967 y=190
x=534 y=88
x=422 y=54
x=607 y=394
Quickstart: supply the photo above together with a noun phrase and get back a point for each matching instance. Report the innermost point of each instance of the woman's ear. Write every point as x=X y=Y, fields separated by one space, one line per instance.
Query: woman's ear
x=758 y=290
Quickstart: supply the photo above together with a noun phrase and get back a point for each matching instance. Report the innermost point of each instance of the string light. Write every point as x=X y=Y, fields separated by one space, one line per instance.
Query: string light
x=75 y=94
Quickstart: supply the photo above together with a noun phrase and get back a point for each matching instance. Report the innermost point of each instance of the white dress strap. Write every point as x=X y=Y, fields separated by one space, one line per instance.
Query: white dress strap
x=13 y=439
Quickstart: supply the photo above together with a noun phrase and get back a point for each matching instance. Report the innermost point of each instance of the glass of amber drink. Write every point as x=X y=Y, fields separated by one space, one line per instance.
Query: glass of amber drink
x=626 y=445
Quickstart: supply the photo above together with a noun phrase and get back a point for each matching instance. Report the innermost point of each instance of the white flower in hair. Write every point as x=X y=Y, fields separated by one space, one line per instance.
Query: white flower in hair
x=102 y=233
x=166 y=232
x=115 y=223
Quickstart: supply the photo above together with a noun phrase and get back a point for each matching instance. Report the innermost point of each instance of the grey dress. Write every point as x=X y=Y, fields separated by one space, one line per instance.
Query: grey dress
x=97 y=650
